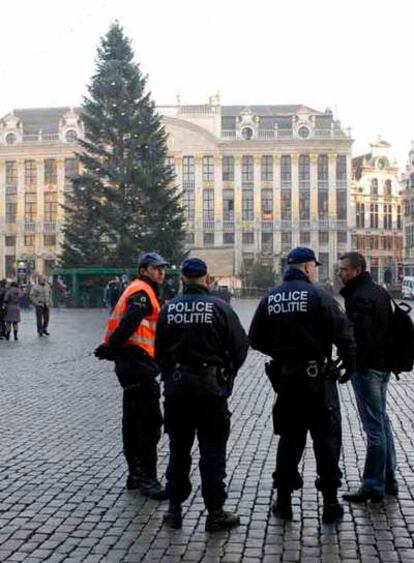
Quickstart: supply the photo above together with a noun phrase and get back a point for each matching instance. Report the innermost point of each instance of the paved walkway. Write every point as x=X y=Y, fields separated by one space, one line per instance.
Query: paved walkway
x=62 y=475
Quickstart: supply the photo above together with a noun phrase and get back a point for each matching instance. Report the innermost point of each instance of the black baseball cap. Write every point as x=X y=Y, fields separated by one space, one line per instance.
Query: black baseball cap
x=194 y=268
x=151 y=259
x=300 y=255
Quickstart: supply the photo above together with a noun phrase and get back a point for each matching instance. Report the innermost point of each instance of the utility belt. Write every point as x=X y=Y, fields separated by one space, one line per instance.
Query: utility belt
x=198 y=379
x=288 y=372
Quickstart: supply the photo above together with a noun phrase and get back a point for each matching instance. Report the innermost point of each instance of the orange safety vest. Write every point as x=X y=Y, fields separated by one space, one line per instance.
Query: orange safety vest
x=144 y=336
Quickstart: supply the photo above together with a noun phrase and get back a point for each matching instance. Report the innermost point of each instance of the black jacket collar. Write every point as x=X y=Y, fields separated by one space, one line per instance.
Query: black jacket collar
x=295 y=274
x=360 y=280
x=195 y=289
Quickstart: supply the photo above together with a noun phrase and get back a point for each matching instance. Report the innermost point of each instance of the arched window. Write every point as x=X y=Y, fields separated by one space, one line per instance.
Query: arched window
x=374 y=186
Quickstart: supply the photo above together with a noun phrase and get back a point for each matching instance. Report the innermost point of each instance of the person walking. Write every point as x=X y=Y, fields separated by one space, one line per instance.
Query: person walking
x=3 y=291
x=12 y=304
x=369 y=308
x=200 y=345
x=129 y=342
x=41 y=297
x=296 y=324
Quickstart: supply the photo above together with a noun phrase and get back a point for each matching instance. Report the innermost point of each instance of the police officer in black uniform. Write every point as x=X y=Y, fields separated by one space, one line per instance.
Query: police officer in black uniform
x=296 y=324
x=200 y=345
x=137 y=372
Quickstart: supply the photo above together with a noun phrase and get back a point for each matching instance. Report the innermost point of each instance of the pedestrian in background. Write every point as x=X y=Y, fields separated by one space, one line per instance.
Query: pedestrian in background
x=200 y=345
x=12 y=304
x=369 y=308
x=3 y=291
x=296 y=324
x=41 y=297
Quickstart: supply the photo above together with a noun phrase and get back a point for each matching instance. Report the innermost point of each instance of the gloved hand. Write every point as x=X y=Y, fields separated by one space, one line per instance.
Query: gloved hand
x=343 y=374
x=345 y=377
x=104 y=352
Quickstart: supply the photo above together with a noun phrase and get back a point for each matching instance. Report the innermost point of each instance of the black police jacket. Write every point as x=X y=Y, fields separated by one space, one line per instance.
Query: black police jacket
x=299 y=320
x=196 y=329
x=369 y=308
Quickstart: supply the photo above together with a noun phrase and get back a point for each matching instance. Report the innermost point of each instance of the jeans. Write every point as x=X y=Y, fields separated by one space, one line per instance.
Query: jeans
x=370 y=387
x=42 y=318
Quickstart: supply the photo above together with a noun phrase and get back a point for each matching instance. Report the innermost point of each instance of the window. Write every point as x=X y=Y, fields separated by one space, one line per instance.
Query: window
x=341 y=169
x=387 y=188
x=342 y=237
x=10 y=241
x=11 y=210
x=285 y=171
x=360 y=215
x=189 y=238
x=189 y=205
x=50 y=206
x=323 y=237
x=208 y=205
x=267 y=242
x=399 y=222
x=248 y=237
x=373 y=216
x=11 y=173
x=323 y=270
x=304 y=237
x=247 y=205
x=29 y=240
x=228 y=238
x=71 y=168
x=374 y=186
x=247 y=170
x=30 y=173
x=267 y=168
x=286 y=205
x=323 y=170
x=9 y=265
x=208 y=168
x=341 y=205
x=50 y=171
x=387 y=216
x=286 y=241
x=188 y=172
x=228 y=168
x=228 y=205
x=208 y=239
x=267 y=205
x=49 y=240
x=304 y=171
x=323 y=204
x=30 y=208
x=304 y=205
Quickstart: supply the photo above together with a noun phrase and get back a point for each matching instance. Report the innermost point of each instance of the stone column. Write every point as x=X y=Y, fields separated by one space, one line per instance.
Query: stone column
x=333 y=246
x=39 y=246
x=314 y=240
x=237 y=215
x=218 y=200
x=277 y=225
x=257 y=201
x=295 y=200
x=20 y=209
x=2 y=218
x=60 y=201
x=198 y=197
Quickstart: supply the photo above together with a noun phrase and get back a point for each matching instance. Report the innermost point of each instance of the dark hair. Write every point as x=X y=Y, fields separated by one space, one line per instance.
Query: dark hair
x=356 y=260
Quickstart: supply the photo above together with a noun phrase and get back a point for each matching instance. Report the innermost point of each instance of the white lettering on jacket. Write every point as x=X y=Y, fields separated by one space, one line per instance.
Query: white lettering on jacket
x=190 y=312
x=288 y=302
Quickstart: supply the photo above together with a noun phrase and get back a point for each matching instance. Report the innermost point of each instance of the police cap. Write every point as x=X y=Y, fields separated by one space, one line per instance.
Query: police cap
x=151 y=259
x=194 y=268
x=300 y=255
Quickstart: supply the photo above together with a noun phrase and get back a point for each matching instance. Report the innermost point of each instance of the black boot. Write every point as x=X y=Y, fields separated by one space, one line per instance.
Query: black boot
x=135 y=476
x=152 y=488
x=8 y=334
x=221 y=520
x=332 y=510
x=173 y=518
x=15 y=335
x=282 y=506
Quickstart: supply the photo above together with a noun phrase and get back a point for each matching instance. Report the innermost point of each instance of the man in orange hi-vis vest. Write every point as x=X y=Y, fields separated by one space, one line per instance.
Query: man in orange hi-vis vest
x=129 y=341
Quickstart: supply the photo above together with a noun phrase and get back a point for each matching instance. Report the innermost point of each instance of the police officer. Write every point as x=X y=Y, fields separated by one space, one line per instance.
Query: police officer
x=129 y=341
x=200 y=345
x=296 y=324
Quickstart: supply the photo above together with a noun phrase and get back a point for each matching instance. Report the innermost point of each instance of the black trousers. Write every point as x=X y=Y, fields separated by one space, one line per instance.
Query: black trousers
x=141 y=426
x=310 y=405
x=42 y=318
x=208 y=417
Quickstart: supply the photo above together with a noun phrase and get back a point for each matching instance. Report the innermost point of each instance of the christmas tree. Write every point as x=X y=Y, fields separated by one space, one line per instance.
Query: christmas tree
x=124 y=201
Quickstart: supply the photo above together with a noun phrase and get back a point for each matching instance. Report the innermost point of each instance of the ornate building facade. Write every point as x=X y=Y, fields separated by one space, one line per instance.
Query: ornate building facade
x=407 y=188
x=36 y=163
x=377 y=210
x=259 y=180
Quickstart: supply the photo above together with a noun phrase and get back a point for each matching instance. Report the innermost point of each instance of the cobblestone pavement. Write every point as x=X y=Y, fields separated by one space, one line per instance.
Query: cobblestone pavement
x=62 y=474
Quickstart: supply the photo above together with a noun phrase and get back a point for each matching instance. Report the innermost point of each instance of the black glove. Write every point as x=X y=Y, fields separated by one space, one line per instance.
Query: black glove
x=345 y=377
x=104 y=352
x=344 y=374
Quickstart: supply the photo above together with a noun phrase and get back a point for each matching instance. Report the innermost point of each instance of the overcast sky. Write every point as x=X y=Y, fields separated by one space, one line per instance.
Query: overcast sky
x=355 y=56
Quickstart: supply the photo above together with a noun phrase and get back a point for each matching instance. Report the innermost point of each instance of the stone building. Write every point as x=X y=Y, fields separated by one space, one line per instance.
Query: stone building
x=258 y=180
x=377 y=212
x=36 y=161
x=407 y=190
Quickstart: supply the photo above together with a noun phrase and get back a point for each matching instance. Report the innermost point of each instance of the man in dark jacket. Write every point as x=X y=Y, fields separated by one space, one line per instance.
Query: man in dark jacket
x=368 y=306
x=200 y=345
x=296 y=324
x=129 y=341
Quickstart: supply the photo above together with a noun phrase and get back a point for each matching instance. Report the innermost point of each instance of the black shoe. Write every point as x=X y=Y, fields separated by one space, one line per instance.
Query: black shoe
x=173 y=518
x=392 y=490
x=282 y=507
x=363 y=496
x=7 y=335
x=332 y=512
x=221 y=520
x=15 y=336
x=46 y=332
x=152 y=488
x=40 y=333
x=133 y=482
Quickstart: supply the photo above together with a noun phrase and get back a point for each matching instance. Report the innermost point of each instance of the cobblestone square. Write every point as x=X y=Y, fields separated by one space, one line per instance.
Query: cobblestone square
x=62 y=472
